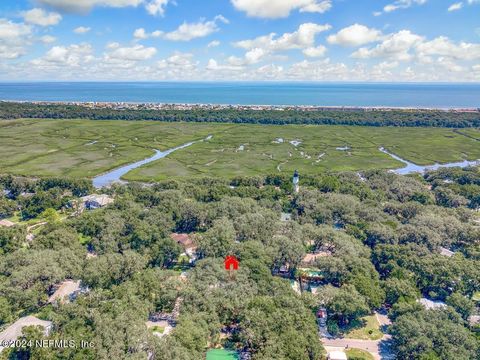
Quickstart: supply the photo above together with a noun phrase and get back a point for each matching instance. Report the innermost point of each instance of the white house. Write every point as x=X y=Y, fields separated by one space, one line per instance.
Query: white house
x=92 y=202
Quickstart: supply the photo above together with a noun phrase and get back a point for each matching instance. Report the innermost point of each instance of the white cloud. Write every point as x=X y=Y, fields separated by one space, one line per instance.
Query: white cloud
x=133 y=53
x=396 y=46
x=213 y=44
x=41 y=17
x=74 y=55
x=214 y=66
x=81 y=30
x=450 y=65
x=48 y=39
x=280 y=8
x=402 y=4
x=455 y=6
x=87 y=5
x=153 y=7
x=355 y=35
x=190 y=31
x=157 y=7
x=14 y=37
x=141 y=34
x=443 y=46
x=303 y=38
x=318 y=51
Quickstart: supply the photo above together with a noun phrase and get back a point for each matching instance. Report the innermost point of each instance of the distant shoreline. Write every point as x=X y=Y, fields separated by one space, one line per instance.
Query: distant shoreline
x=132 y=105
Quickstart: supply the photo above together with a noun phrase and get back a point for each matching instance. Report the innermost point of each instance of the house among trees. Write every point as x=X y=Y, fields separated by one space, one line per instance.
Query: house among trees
x=446 y=252
x=66 y=291
x=92 y=202
x=187 y=243
x=432 y=305
x=6 y=223
x=15 y=331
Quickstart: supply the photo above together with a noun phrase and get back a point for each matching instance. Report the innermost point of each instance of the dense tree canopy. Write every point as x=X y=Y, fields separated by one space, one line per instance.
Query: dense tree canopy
x=380 y=236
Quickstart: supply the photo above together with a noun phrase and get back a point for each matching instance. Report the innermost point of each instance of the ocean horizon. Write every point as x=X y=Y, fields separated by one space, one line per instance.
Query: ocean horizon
x=413 y=95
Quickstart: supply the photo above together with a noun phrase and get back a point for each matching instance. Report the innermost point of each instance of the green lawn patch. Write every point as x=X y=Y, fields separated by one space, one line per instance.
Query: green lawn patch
x=367 y=329
x=159 y=329
x=357 y=354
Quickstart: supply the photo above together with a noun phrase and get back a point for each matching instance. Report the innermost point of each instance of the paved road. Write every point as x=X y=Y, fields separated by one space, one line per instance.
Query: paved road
x=380 y=349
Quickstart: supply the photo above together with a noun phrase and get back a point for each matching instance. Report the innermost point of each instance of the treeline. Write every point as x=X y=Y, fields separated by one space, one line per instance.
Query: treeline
x=360 y=117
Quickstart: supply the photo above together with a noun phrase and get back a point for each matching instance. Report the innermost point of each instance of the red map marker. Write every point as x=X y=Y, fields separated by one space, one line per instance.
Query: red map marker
x=231 y=263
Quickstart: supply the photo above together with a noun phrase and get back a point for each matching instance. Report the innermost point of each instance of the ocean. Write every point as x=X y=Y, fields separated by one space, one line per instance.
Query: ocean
x=249 y=93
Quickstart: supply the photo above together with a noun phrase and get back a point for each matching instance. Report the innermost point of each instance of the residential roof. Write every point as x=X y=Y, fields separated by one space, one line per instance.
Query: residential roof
x=311 y=258
x=6 y=223
x=64 y=290
x=102 y=200
x=474 y=320
x=430 y=304
x=183 y=239
x=446 y=252
x=14 y=331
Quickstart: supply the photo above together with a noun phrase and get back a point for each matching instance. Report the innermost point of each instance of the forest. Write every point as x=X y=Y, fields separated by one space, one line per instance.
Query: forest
x=383 y=235
x=360 y=117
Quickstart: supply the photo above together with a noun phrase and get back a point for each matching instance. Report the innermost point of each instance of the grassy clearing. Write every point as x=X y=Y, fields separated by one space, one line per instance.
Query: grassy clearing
x=83 y=148
x=357 y=354
x=369 y=331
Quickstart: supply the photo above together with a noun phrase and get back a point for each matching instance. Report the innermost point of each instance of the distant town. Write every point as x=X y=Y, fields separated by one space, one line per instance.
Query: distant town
x=189 y=107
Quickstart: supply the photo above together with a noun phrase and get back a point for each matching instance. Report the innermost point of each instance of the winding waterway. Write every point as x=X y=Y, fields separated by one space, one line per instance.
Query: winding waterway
x=115 y=175
x=411 y=168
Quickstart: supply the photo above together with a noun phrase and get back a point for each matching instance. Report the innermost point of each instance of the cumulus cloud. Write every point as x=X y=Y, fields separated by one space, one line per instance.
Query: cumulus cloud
x=303 y=38
x=84 y=6
x=396 y=46
x=355 y=35
x=280 y=8
x=133 y=53
x=443 y=46
x=263 y=46
x=190 y=31
x=81 y=30
x=73 y=56
x=157 y=7
x=41 y=17
x=318 y=51
x=153 y=7
x=14 y=37
x=178 y=60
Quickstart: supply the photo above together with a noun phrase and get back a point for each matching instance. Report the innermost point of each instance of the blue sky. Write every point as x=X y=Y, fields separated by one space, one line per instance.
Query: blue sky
x=320 y=40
